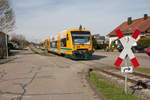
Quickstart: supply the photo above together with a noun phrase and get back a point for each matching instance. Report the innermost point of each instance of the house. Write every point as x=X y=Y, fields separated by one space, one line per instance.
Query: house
x=99 y=39
x=129 y=27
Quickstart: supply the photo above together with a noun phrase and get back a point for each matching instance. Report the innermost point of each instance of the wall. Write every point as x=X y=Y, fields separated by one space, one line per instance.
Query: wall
x=3 y=47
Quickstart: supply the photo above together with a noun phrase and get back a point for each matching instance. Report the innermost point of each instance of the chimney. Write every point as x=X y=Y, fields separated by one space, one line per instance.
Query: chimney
x=145 y=16
x=129 y=20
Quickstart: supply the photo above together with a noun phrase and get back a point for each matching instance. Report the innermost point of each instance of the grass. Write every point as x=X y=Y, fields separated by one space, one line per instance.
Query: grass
x=109 y=90
x=42 y=54
x=34 y=51
x=145 y=70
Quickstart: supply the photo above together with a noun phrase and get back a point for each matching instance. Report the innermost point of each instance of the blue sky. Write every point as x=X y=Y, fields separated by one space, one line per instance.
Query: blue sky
x=38 y=19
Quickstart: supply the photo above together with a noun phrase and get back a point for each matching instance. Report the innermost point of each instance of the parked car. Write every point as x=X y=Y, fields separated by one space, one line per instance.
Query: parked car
x=148 y=51
x=10 y=46
x=138 y=49
x=135 y=49
x=120 y=48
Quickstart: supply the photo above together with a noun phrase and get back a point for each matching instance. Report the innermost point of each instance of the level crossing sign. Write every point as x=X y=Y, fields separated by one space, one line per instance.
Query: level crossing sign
x=127 y=48
x=128 y=69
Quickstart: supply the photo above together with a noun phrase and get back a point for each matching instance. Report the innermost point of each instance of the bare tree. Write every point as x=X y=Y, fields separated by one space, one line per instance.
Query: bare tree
x=7 y=18
x=20 y=40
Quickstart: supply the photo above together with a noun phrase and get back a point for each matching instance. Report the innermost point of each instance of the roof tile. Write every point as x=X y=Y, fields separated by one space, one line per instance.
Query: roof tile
x=140 y=24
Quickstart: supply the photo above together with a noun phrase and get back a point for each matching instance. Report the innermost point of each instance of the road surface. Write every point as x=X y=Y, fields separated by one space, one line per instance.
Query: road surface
x=31 y=76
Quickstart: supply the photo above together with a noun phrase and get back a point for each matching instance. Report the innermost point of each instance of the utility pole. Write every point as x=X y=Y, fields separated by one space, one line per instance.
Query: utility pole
x=6 y=38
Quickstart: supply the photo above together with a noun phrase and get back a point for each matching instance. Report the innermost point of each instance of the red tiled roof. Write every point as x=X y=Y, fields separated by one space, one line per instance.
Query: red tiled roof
x=140 y=24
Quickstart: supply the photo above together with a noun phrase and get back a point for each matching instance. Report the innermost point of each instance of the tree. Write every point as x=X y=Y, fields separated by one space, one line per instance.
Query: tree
x=145 y=42
x=7 y=18
x=95 y=45
x=112 y=46
x=20 y=40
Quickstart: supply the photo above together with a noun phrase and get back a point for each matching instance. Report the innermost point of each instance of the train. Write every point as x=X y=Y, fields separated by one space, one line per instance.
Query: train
x=73 y=43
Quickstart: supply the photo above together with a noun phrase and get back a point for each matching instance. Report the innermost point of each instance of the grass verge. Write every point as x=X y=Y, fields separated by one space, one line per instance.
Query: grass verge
x=144 y=70
x=42 y=54
x=109 y=90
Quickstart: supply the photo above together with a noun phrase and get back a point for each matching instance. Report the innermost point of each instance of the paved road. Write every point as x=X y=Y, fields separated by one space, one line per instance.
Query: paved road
x=33 y=77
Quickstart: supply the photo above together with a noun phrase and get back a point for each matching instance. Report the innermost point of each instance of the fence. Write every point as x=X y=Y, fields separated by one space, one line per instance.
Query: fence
x=3 y=45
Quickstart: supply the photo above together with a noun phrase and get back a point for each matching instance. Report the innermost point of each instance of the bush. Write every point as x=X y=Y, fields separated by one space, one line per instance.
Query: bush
x=145 y=42
x=19 y=40
x=99 y=46
x=95 y=46
x=102 y=46
x=112 y=46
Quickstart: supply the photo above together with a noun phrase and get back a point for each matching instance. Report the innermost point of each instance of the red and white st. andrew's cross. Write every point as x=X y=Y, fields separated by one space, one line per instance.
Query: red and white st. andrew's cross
x=127 y=48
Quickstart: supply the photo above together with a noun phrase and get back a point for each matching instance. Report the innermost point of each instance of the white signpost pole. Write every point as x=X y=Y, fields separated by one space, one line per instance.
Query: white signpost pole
x=6 y=37
x=126 y=78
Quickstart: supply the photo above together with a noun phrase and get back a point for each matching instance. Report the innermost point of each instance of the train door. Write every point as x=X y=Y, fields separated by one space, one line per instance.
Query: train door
x=43 y=44
x=67 y=41
x=58 y=44
x=91 y=45
x=46 y=44
x=49 y=45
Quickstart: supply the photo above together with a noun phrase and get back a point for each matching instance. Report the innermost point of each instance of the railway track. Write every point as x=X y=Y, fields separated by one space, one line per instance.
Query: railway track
x=135 y=73
x=137 y=78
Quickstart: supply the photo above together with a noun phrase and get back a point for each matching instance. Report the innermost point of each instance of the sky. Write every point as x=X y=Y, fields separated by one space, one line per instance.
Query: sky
x=40 y=19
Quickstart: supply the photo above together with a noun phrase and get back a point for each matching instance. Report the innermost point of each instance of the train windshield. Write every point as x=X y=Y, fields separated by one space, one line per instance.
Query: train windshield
x=80 y=37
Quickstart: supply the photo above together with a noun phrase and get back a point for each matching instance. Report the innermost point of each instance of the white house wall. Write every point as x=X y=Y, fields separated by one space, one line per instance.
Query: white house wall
x=112 y=39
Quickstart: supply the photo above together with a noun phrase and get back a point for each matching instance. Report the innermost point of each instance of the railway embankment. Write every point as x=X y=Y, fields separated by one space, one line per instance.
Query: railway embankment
x=109 y=90
x=109 y=81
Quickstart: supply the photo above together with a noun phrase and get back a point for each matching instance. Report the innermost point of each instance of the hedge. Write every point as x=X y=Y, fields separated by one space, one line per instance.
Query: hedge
x=145 y=42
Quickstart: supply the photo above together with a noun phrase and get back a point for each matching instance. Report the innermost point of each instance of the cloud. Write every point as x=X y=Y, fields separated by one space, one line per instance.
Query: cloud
x=37 y=19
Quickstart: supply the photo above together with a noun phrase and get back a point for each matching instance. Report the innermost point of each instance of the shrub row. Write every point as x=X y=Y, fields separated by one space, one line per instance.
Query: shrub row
x=145 y=42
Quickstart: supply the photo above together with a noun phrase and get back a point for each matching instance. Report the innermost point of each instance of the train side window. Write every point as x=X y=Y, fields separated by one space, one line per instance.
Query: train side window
x=51 y=44
x=63 y=42
x=55 y=43
x=67 y=37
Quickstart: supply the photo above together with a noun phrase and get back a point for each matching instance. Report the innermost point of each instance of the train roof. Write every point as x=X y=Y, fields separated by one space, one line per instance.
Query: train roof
x=75 y=30
x=65 y=31
x=72 y=30
x=62 y=33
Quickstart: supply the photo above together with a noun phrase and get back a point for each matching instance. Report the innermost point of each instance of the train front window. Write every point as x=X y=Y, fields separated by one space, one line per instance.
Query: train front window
x=80 y=37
